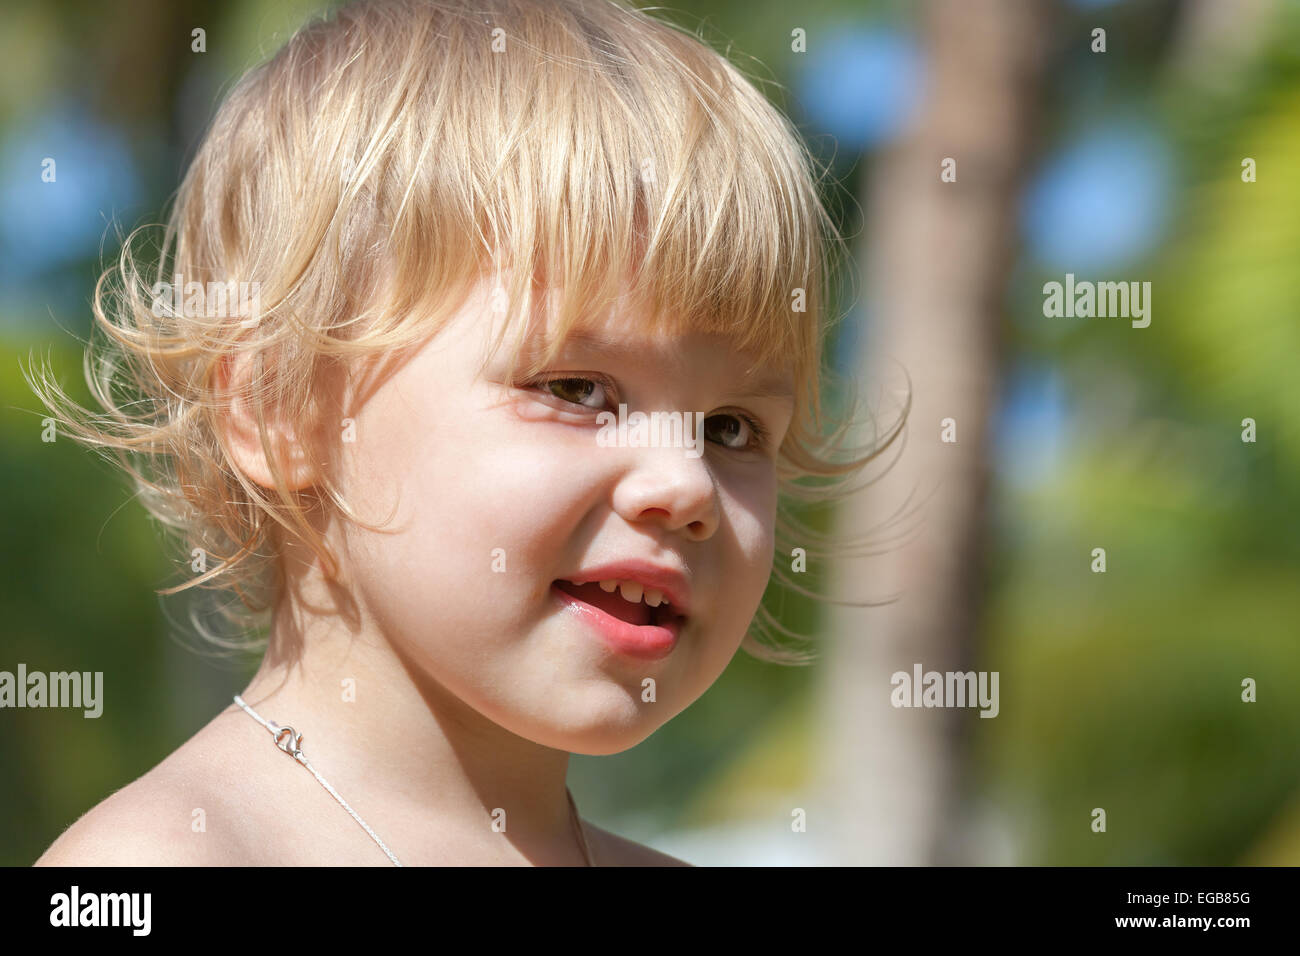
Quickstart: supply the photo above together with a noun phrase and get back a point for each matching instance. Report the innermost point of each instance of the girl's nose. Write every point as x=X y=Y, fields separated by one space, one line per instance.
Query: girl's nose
x=671 y=487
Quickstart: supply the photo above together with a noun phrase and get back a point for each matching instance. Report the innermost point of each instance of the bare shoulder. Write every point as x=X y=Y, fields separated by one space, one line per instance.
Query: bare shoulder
x=143 y=824
x=159 y=819
x=610 y=849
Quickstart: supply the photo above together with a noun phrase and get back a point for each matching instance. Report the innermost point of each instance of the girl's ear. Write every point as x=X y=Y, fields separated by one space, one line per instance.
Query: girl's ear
x=239 y=434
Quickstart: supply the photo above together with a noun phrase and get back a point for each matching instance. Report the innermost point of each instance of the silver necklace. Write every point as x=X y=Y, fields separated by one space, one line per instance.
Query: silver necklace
x=290 y=741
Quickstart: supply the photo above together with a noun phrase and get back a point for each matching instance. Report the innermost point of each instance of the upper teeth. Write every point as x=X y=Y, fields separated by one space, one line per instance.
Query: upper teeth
x=634 y=592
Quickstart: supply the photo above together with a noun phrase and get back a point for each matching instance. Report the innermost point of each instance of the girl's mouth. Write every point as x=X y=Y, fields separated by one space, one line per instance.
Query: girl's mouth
x=629 y=627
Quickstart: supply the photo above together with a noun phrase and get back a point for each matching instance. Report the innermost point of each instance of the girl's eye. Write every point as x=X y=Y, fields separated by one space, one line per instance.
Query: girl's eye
x=729 y=429
x=738 y=432
x=577 y=390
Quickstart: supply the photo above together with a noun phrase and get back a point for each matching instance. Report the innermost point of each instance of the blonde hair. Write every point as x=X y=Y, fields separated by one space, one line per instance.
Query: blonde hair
x=377 y=166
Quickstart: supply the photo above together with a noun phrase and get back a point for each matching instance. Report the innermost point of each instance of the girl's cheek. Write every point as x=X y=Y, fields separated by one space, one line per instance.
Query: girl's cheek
x=752 y=499
x=749 y=552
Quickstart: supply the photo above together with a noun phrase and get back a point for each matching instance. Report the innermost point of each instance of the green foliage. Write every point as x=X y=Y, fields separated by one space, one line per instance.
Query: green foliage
x=81 y=565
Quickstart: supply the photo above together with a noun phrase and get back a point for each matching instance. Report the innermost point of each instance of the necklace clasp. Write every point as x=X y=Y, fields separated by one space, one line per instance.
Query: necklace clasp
x=293 y=746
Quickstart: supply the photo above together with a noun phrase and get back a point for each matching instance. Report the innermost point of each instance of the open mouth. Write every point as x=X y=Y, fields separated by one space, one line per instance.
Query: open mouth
x=623 y=602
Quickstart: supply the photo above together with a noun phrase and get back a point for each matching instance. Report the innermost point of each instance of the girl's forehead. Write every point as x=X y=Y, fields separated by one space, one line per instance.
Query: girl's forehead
x=625 y=335
x=628 y=322
x=625 y=324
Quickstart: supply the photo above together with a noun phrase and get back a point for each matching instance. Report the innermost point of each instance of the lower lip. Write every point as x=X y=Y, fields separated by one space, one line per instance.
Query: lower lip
x=649 y=642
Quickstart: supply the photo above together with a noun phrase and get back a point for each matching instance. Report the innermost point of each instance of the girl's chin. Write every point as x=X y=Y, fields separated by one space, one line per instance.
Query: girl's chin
x=621 y=729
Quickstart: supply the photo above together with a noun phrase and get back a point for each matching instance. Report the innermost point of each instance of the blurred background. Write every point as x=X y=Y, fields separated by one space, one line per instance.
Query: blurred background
x=1121 y=690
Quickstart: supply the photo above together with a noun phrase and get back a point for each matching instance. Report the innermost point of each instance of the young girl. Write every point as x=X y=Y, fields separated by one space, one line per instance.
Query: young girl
x=424 y=260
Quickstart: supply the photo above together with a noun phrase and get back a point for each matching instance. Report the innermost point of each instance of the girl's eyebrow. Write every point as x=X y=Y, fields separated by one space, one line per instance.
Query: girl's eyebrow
x=770 y=386
x=773 y=386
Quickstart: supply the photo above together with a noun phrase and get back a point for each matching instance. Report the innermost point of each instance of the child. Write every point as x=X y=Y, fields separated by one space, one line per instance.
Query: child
x=425 y=262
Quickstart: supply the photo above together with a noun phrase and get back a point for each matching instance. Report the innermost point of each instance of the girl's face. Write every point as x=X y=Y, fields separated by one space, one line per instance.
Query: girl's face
x=506 y=503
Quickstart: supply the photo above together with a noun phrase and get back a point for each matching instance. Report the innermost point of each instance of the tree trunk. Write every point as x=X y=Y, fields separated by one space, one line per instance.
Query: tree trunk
x=937 y=264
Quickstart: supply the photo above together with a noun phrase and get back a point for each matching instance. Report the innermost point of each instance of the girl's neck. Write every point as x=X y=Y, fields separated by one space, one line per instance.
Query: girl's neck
x=391 y=739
